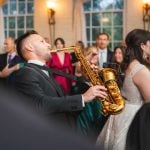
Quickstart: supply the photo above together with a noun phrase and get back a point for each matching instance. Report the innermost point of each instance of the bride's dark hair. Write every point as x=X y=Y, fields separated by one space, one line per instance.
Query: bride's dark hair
x=133 y=40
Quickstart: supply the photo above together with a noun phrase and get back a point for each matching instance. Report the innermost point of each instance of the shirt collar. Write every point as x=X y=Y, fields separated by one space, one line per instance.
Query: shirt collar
x=37 y=62
x=103 y=50
x=12 y=54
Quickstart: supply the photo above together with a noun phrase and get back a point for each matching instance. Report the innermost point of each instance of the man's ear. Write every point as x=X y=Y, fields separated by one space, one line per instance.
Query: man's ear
x=29 y=47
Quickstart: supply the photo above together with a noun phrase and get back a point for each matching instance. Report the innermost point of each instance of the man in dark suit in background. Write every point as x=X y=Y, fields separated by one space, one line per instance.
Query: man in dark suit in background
x=37 y=83
x=9 y=62
x=104 y=54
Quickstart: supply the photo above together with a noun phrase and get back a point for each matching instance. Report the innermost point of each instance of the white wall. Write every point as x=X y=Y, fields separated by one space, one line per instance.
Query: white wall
x=133 y=15
x=63 y=16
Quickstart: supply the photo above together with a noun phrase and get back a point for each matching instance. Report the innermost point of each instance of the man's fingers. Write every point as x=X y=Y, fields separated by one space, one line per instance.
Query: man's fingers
x=99 y=87
x=99 y=91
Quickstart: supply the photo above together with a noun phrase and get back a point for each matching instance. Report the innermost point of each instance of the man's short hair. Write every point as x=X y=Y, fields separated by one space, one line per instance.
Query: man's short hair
x=20 y=40
x=103 y=33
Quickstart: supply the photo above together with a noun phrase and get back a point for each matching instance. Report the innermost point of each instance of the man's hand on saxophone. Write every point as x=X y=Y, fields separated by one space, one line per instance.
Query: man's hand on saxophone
x=93 y=92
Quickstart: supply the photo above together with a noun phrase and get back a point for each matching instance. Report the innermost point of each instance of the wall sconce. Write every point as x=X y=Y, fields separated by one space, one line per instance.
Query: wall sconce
x=146 y=15
x=51 y=20
x=51 y=12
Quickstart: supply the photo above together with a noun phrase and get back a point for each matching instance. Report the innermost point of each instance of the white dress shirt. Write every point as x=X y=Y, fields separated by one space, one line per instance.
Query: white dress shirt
x=104 y=55
x=37 y=62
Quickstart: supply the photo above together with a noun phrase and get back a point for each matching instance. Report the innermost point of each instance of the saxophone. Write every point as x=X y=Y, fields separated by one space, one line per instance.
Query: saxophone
x=114 y=102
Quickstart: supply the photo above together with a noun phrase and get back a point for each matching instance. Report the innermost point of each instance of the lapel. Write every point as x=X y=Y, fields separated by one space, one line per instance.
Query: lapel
x=50 y=79
x=109 y=55
x=15 y=59
x=5 y=59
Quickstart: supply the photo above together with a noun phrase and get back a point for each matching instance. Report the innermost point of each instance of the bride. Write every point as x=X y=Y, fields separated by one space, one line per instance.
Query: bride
x=135 y=90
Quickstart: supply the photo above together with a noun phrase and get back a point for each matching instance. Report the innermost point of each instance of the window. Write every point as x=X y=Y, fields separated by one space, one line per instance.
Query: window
x=104 y=16
x=18 y=17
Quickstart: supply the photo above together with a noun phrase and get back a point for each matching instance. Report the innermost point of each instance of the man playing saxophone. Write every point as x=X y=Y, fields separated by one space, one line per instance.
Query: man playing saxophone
x=38 y=84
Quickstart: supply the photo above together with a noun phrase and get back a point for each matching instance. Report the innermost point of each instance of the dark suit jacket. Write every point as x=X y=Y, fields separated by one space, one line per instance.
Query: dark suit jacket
x=109 y=59
x=47 y=96
x=23 y=129
x=3 y=63
x=109 y=56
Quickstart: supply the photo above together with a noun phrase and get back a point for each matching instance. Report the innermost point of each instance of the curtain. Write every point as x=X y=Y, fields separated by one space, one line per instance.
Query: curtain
x=78 y=21
x=1 y=26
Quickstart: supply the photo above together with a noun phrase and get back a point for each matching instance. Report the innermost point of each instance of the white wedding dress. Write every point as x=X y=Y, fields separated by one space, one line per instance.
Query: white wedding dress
x=113 y=135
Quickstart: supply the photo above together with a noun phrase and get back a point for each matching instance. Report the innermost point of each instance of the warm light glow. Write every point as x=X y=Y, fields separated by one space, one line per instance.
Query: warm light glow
x=146 y=1
x=51 y=4
x=105 y=19
x=2 y=2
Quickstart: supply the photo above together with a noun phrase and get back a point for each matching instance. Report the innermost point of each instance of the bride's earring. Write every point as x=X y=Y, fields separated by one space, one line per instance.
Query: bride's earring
x=144 y=56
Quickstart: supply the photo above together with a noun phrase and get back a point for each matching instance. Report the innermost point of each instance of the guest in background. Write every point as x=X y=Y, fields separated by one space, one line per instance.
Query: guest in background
x=9 y=62
x=118 y=55
x=118 y=63
x=61 y=61
x=104 y=54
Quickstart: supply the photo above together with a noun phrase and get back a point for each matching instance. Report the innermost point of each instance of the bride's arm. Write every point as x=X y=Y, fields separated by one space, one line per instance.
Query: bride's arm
x=142 y=80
